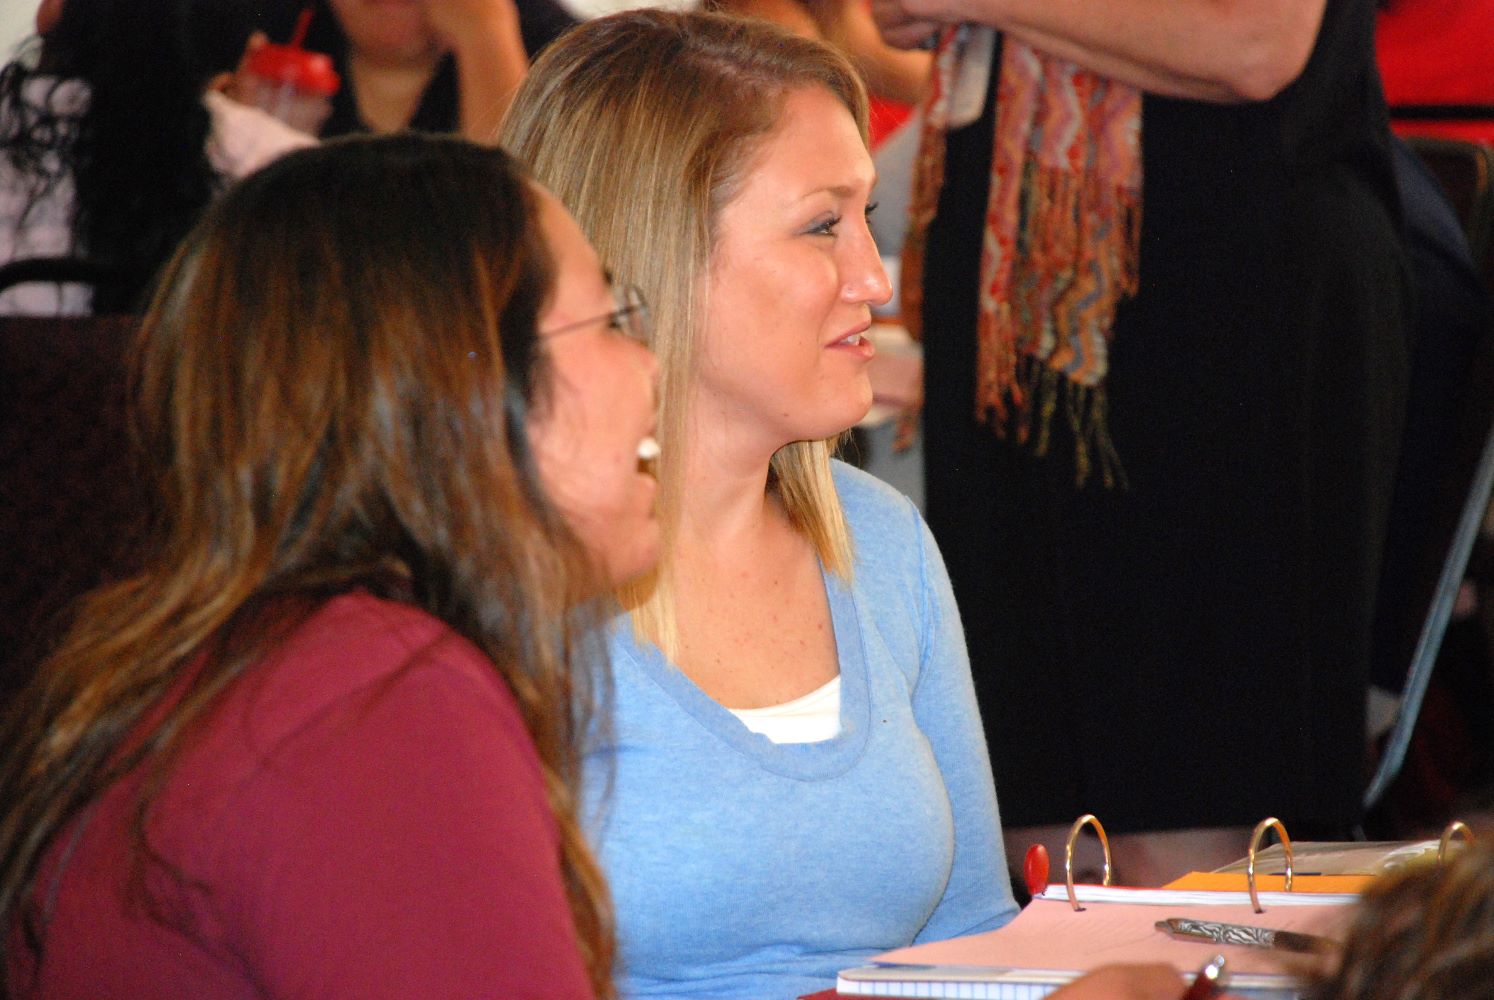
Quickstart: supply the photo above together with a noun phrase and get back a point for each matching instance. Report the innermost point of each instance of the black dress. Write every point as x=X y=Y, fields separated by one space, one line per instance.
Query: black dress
x=1192 y=650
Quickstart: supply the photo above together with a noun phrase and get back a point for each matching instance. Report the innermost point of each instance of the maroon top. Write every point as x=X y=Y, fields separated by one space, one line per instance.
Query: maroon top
x=363 y=817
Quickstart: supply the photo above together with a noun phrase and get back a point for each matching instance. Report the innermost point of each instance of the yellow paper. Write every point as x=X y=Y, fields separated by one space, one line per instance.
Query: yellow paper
x=1231 y=882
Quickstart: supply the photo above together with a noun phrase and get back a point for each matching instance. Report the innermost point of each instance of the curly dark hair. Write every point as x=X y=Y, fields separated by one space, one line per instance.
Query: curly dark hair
x=135 y=148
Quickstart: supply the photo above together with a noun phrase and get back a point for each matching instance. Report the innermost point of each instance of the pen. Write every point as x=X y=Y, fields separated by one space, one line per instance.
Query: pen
x=1208 y=982
x=1255 y=937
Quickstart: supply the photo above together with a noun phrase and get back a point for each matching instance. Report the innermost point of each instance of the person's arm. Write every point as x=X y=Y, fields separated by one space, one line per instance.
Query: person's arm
x=1213 y=50
x=400 y=844
x=892 y=73
x=979 y=895
x=490 y=59
x=790 y=14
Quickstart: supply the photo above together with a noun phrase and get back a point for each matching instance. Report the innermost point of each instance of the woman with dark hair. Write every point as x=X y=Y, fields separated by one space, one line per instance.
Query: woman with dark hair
x=327 y=742
x=430 y=65
x=113 y=145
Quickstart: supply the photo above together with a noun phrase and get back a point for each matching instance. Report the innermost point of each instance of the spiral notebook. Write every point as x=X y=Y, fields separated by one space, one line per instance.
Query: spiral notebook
x=1050 y=944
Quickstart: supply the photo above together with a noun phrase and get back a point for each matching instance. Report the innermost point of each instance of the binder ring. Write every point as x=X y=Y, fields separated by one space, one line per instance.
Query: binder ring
x=1255 y=842
x=1454 y=828
x=1068 y=854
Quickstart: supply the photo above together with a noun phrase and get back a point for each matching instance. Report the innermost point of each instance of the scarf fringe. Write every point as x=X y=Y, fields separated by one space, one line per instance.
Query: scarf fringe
x=1060 y=249
x=1085 y=410
x=1044 y=340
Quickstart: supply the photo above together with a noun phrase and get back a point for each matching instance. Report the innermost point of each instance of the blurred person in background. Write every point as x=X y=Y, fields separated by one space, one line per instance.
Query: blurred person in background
x=112 y=142
x=1157 y=268
x=428 y=65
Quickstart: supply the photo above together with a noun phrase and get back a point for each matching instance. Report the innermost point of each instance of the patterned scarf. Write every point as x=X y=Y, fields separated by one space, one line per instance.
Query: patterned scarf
x=1061 y=238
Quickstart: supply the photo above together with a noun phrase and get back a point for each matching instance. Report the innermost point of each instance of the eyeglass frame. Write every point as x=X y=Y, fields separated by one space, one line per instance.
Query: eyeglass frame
x=630 y=318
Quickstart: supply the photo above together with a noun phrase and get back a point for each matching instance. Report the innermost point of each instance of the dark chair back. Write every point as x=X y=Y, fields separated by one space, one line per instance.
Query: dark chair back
x=1465 y=171
x=72 y=500
x=1446 y=471
x=114 y=288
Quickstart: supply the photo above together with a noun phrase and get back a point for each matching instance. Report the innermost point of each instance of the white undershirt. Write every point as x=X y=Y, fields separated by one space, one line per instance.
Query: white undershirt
x=812 y=718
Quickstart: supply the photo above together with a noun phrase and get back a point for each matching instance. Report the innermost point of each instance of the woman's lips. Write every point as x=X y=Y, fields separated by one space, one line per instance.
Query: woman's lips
x=856 y=342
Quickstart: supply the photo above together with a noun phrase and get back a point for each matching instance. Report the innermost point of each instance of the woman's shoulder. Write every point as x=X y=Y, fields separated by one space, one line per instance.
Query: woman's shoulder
x=892 y=545
x=873 y=509
x=363 y=693
x=374 y=635
x=353 y=646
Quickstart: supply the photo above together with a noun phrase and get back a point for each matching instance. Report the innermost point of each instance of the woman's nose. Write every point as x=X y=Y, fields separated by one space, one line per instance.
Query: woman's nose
x=865 y=277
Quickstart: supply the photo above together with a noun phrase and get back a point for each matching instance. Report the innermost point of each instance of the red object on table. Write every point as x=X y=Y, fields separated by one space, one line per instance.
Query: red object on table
x=1035 y=869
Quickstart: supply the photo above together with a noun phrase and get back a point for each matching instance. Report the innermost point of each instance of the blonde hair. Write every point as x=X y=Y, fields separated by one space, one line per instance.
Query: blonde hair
x=644 y=124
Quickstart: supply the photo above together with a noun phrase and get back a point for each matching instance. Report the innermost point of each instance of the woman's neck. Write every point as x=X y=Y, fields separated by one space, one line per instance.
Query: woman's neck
x=388 y=94
x=753 y=617
x=725 y=506
x=727 y=455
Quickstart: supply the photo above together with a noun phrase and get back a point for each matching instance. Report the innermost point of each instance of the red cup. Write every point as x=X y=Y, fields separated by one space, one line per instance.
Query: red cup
x=291 y=83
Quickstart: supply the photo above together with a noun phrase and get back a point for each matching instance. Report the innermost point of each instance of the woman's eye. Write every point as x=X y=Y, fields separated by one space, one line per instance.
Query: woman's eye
x=871 y=207
x=825 y=227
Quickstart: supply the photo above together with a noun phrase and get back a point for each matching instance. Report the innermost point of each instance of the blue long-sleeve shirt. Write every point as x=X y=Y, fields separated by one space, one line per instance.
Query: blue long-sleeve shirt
x=744 y=868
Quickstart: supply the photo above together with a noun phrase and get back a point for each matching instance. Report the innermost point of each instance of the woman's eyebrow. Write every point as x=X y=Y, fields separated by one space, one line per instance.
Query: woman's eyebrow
x=842 y=190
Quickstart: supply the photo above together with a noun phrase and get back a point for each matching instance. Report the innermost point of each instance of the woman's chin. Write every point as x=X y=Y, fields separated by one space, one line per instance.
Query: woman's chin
x=639 y=557
x=858 y=405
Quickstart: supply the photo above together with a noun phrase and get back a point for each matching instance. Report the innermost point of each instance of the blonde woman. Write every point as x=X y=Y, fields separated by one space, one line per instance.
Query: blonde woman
x=798 y=775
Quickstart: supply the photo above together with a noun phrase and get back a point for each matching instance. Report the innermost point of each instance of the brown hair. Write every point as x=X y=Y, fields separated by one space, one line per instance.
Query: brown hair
x=1423 y=934
x=644 y=124
x=334 y=381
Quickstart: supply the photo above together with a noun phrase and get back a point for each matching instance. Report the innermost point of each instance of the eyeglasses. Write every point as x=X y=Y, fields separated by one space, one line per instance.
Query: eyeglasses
x=630 y=318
